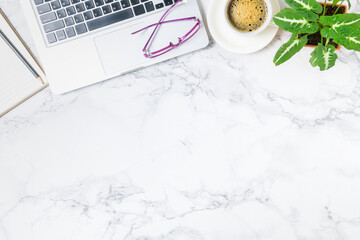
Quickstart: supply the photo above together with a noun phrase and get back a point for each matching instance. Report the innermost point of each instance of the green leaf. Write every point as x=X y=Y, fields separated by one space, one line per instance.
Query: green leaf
x=289 y=49
x=323 y=57
x=330 y=32
x=309 y=5
x=349 y=38
x=315 y=57
x=349 y=4
x=337 y=1
x=335 y=21
x=296 y=21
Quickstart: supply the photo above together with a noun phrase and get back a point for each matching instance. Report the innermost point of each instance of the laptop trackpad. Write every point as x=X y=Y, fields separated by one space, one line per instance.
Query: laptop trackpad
x=120 y=51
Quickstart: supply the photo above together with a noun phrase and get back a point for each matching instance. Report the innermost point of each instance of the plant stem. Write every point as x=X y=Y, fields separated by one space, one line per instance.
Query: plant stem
x=325 y=8
x=338 y=7
x=327 y=42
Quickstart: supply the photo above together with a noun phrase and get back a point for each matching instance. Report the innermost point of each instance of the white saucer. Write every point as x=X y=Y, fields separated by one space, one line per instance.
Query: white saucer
x=226 y=38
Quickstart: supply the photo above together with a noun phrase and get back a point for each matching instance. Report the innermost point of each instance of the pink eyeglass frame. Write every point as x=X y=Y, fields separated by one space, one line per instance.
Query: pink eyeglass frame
x=171 y=46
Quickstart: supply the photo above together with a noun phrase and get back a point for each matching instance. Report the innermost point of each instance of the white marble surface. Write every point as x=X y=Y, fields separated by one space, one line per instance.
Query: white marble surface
x=209 y=146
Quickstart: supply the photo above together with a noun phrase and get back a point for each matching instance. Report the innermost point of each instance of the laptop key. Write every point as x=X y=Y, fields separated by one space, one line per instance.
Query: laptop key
x=149 y=6
x=61 y=13
x=168 y=2
x=37 y=2
x=51 y=37
x=78 y=18
x=70 y=32
x=60 y=35
x=89 y=5
x=81 y=28
x=110 y=19
x=70 y=10
x=44 y=8
x=106 y=9
x=125 y=3
x=54 y=26
x=109 y=1
x=69 y=21
x=65 y=3
x=99 y=2
x=75 y=1
x=115 y=6
x=80 y=7
x=55 y=5
x=134 y=2
x=97 y=12
x=139 y=10
x=159 y=5
x=88 y=15
x=49 y=17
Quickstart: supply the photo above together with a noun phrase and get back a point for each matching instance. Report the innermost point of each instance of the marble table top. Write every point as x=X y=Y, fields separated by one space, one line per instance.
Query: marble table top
x=208 y=146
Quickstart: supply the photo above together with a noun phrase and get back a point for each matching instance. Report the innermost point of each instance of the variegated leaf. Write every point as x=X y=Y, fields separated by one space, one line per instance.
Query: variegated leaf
x=289 y=49
x=323 y=57
x=296 y=21
x=330 y=32
x=315 y=57
x=335 y=21
x=349 y=38
x=309 y=5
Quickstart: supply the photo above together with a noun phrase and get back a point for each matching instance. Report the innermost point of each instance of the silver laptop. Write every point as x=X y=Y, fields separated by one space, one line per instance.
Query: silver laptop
x=81 y=42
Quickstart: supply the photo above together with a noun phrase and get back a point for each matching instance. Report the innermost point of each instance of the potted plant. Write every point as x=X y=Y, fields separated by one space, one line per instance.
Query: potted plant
x=307 y=19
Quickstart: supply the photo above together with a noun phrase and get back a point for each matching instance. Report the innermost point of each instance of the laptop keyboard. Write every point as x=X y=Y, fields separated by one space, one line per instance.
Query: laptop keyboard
x=65 y=19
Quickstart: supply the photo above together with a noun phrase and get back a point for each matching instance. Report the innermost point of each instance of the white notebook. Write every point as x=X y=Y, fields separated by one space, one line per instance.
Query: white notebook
x=17 y=82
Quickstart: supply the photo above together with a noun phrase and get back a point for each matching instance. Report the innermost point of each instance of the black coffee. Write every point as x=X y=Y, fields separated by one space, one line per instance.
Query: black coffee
x=246 y=15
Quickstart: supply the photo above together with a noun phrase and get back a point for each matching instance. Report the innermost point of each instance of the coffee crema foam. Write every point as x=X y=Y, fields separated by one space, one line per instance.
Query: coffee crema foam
x=247 y=15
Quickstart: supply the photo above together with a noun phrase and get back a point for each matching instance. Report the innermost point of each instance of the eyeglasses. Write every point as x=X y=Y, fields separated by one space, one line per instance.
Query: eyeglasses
x=171 y=46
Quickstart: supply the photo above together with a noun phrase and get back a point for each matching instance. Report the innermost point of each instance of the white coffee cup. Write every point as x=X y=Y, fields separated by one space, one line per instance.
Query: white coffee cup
x=267 y=22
